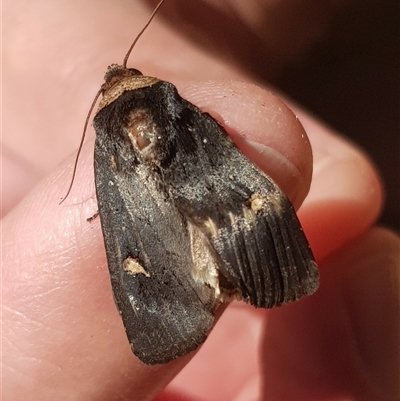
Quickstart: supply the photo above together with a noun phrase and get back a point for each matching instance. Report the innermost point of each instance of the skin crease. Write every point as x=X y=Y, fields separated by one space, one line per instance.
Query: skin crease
x=61 y=335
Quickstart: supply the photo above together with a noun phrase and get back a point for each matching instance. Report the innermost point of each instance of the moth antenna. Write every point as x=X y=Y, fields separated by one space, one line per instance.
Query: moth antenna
x=81 y=144
x=140 y=33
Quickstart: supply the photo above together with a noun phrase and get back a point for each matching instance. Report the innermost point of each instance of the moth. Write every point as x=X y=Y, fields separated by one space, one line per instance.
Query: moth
x=188 y=221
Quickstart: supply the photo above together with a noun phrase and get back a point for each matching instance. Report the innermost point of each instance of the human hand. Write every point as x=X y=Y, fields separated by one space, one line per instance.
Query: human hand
x=62 y=336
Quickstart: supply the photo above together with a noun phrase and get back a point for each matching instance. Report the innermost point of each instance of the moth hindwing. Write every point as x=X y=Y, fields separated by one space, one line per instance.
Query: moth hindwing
x=188 y=221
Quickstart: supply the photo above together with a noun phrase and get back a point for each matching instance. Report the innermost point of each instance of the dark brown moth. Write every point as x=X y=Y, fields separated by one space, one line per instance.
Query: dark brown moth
x=188 y=221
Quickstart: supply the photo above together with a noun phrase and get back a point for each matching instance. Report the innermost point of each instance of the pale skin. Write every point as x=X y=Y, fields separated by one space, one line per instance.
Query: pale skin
x=62 y=337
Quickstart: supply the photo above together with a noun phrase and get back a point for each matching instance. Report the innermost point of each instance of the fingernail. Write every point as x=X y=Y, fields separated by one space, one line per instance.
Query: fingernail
x=371 y=298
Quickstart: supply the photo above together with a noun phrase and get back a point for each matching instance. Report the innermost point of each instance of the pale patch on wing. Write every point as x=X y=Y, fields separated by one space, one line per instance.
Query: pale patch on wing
x=257 y=202
x=132 y=266
x=211 y=227
x=205 y=268
x=141 y=130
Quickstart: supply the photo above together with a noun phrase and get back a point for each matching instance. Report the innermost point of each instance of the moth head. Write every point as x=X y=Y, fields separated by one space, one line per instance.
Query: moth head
x=115 y=74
